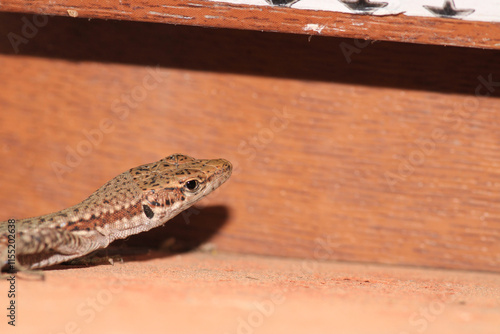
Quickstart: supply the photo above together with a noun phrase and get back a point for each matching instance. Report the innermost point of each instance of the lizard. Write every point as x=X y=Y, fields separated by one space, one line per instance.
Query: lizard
x=137 y=200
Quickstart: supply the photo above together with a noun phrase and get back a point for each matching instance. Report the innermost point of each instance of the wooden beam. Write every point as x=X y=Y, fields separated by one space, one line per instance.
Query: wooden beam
x=391 y=158
x=398 y=28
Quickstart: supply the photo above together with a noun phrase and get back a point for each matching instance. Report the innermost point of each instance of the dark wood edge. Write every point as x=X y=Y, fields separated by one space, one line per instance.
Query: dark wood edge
x=397 y=28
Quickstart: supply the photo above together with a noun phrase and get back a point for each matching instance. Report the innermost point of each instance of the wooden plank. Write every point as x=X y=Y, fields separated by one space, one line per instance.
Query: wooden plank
x=230 y=293
x=397 y=28
x=391 y=158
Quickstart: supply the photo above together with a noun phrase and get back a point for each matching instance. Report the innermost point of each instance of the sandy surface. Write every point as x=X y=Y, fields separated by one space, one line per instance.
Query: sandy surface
x=226 y=293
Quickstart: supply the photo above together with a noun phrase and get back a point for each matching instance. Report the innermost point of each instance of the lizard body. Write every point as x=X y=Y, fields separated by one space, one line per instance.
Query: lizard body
x=138 y=200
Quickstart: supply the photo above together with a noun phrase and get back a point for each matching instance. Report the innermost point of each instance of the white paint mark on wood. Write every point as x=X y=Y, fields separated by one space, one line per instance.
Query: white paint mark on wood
x=314 y=27
x=72 y=13
x=172 y=15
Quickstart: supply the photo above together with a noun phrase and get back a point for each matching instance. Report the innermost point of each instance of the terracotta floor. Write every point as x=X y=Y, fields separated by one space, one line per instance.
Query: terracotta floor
x=226 y=293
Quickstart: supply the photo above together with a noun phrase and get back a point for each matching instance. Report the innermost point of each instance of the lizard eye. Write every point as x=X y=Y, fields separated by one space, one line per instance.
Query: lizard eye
x=191 y=185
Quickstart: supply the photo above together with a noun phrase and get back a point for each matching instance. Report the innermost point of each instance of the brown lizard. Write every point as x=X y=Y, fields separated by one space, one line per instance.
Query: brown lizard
x=135 y=201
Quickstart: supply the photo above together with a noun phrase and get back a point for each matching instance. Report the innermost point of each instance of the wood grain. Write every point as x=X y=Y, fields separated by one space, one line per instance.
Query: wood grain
x=391 y=158
x=225 y=292
x=397 y=28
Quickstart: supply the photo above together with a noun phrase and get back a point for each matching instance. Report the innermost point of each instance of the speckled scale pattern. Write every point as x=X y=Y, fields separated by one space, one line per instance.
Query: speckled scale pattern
x=169 y=172
x=134 y=201
x=117 y=194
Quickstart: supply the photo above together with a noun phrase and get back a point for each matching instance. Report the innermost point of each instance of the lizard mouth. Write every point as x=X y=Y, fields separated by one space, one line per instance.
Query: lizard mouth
x=223 y=171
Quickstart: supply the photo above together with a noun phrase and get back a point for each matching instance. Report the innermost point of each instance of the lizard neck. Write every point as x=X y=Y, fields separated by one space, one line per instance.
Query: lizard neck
x=115 y=200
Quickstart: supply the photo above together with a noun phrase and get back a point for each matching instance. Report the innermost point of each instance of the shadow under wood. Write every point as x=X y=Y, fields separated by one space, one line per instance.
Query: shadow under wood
x=381 y=64
x=183 y=233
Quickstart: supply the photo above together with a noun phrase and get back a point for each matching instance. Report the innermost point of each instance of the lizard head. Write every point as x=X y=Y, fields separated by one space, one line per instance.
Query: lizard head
x=176 y=182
